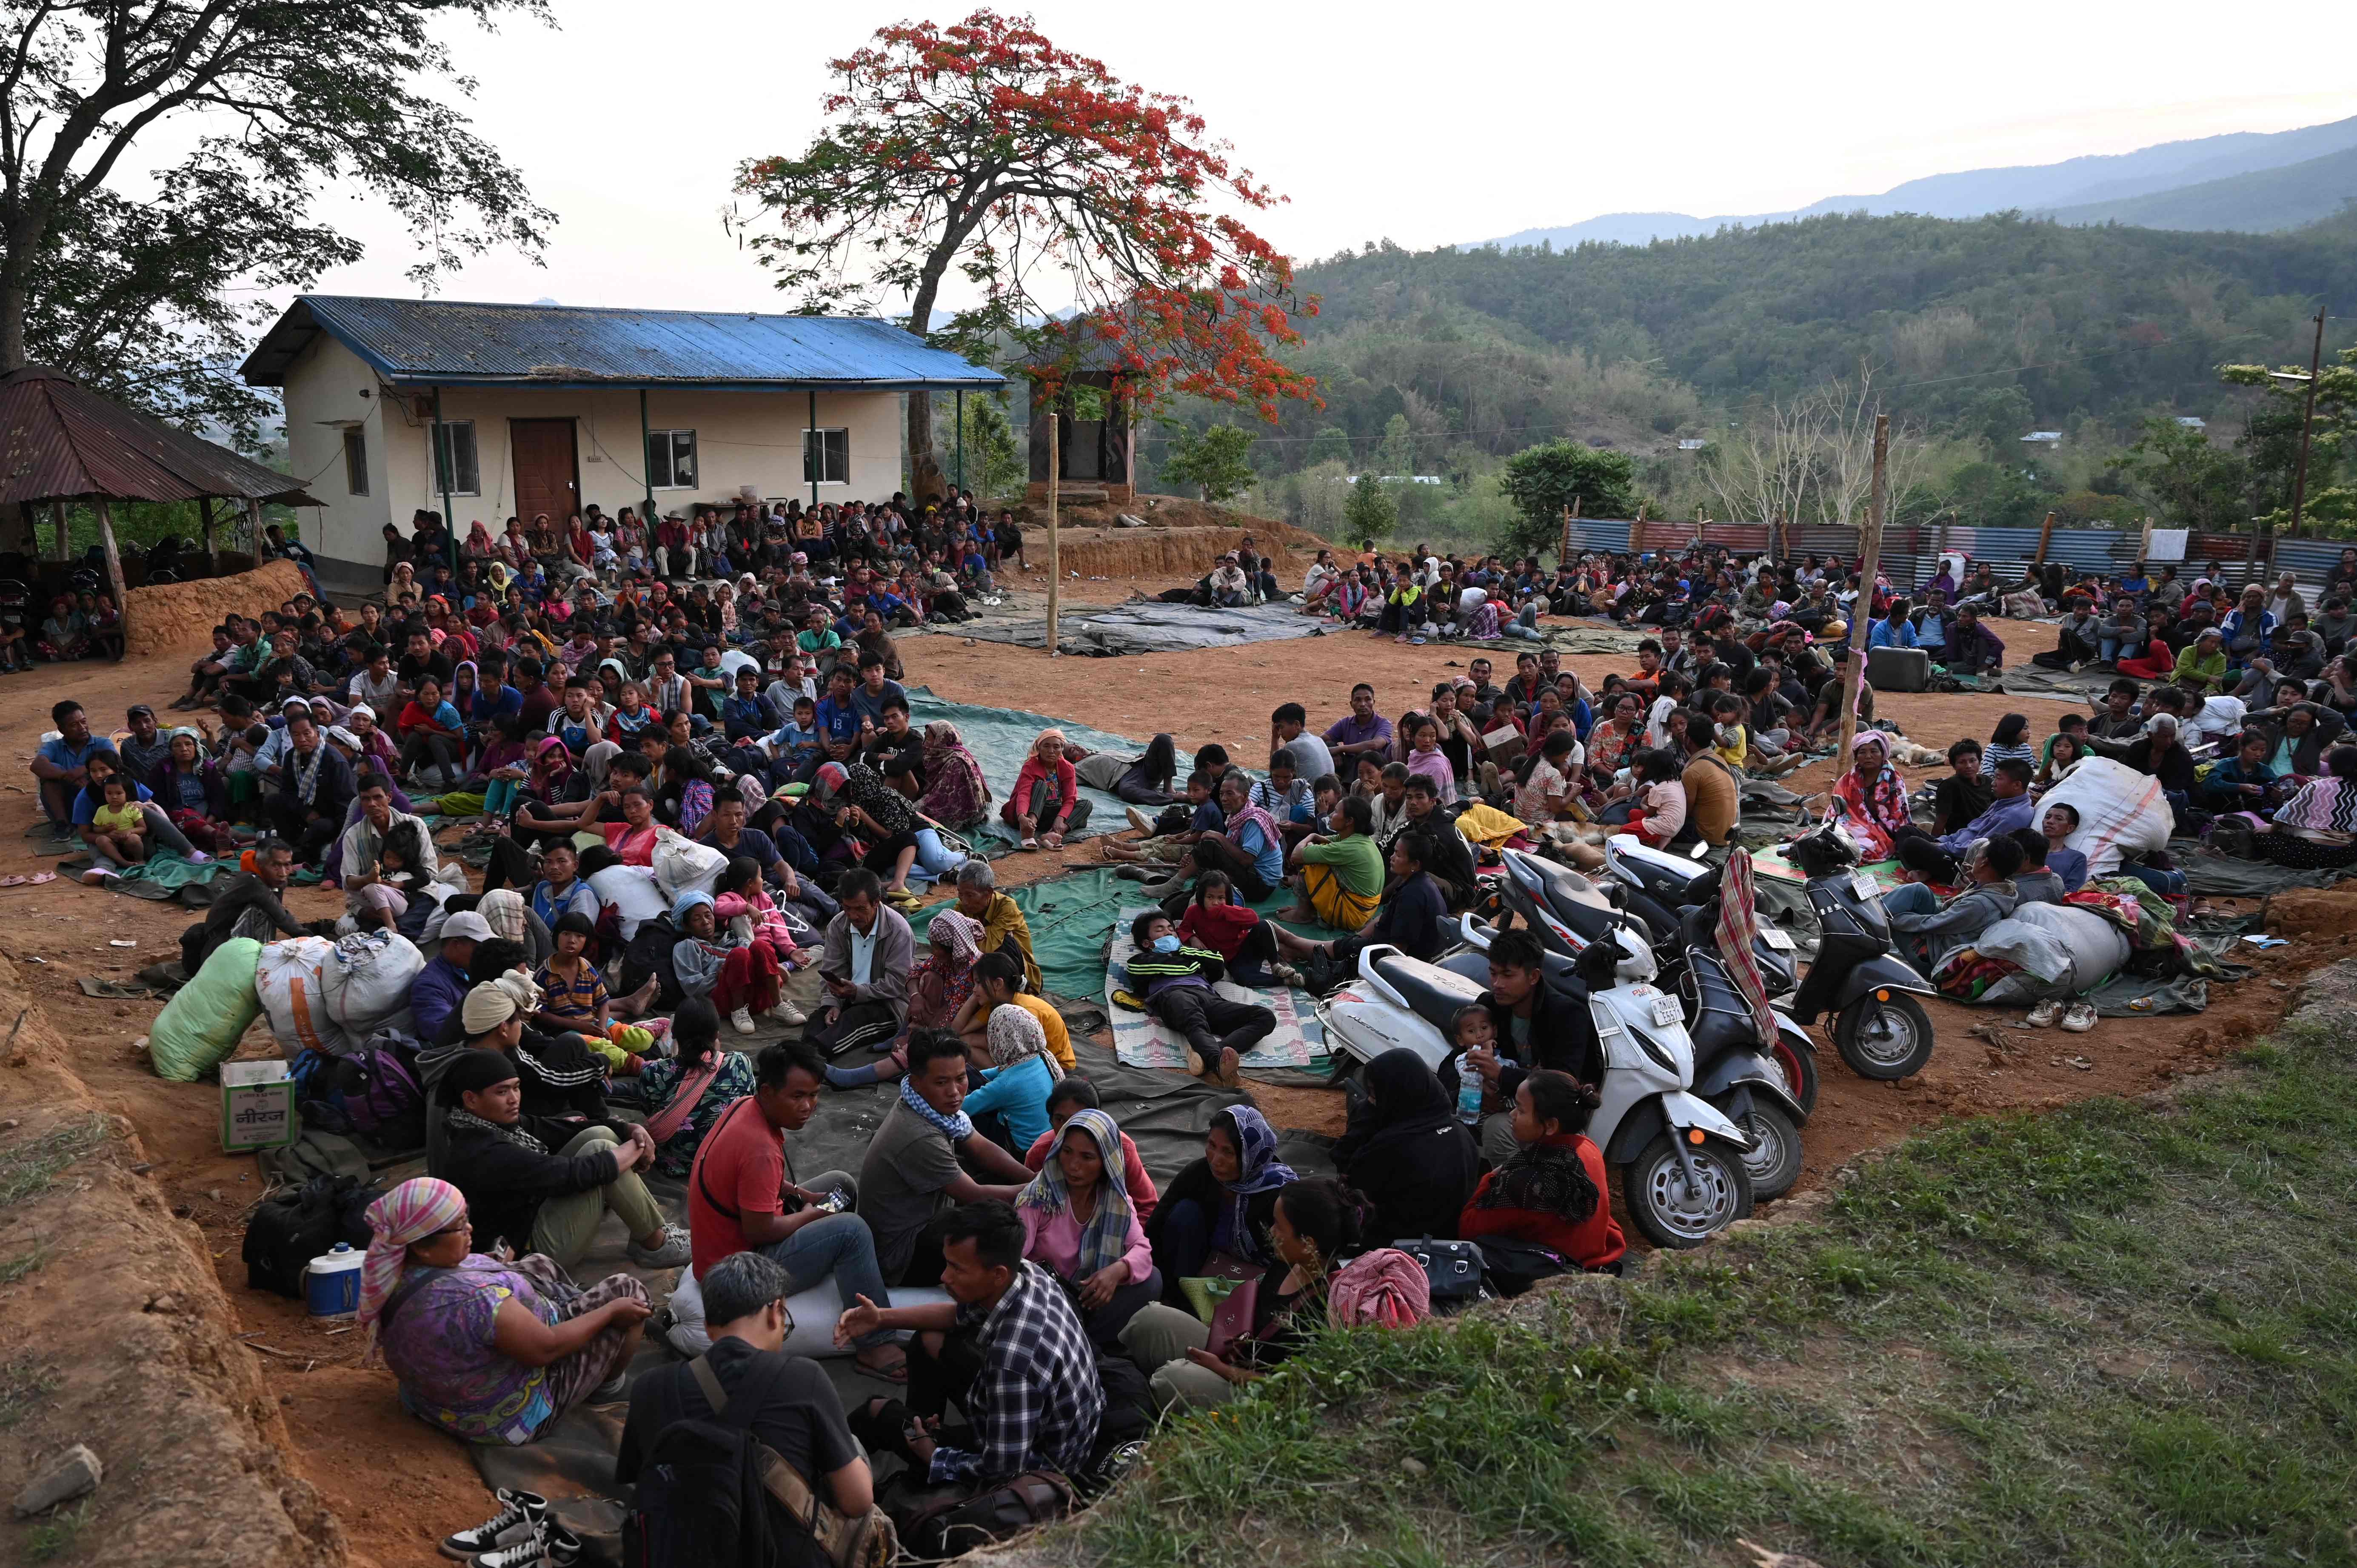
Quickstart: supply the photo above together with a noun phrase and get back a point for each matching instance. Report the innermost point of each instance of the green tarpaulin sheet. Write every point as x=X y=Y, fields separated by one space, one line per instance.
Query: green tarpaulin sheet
x=1001 y=738
x=1072 y=918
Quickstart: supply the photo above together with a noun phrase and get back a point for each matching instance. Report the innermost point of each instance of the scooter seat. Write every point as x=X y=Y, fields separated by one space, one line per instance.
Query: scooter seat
x=1574 y=901
x=1435 y=993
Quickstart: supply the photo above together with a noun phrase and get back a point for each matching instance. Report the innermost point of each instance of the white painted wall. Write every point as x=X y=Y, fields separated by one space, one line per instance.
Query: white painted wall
x=742 y=438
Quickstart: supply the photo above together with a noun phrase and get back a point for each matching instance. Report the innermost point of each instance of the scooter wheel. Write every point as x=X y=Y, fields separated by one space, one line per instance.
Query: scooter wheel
x=1654 y=1188
x=1799 y=1066
x=1884 y=1039
x=1773 y=1161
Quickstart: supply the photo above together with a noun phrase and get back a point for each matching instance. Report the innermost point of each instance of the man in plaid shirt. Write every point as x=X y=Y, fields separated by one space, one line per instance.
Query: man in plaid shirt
x=1008 y=1349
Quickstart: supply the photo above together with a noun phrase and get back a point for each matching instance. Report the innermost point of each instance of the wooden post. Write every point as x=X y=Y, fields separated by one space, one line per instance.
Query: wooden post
x=2045 y=537
x=1563 y=558
x=1055 y=561
x=204 y=522
x=2306 y=423
x=115 y=572
x=1854 y=673
x=65 y=536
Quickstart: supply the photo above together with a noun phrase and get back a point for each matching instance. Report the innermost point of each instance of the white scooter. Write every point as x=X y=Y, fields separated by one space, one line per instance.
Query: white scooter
x=1681 y=1161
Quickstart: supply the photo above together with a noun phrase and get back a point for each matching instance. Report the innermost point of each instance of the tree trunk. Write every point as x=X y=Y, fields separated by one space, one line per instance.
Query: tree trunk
x=114 y=575
x=925 y=480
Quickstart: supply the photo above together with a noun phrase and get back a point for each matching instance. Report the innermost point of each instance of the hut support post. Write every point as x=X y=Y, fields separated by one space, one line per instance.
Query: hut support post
x=204 y=522
x=114 y=571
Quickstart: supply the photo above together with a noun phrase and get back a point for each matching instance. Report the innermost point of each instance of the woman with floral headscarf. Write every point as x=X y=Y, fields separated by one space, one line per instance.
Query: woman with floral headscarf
x=478 y=545
x=1012 y=1099
x=941 y=981
x=489 y=1351
x=955 y=793
x=1080 y=1225
x=1220 y=1209
x=1873 y=795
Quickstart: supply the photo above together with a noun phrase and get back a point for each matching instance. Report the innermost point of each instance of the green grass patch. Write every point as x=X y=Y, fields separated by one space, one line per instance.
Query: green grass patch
x=16 y=1268
x=24 y=1384
x=28 y=1169
x=55 y=1536
x=2116 y=1333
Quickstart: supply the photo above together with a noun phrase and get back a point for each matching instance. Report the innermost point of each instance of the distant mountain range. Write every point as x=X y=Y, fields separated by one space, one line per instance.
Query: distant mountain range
x=2247 y=182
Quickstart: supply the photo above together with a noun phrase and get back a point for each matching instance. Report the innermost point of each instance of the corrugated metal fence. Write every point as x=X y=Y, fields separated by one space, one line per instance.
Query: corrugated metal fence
x=1910 y=556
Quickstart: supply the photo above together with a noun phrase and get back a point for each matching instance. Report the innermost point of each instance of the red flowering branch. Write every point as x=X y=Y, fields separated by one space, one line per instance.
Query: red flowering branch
x=1045 y=183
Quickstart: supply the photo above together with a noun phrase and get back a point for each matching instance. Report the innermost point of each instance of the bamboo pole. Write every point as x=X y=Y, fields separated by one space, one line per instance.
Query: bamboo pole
x=1854 y=673
x=1055 y=561
x=204 y=522
x=114 y=573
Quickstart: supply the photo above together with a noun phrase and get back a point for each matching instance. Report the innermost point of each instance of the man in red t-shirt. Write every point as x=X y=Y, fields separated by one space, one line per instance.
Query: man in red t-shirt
x=742 y=1196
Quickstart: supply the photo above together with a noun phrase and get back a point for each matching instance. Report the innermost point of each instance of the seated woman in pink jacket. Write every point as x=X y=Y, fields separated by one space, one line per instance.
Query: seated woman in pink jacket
x=1046 y=800
x=1081 y=1226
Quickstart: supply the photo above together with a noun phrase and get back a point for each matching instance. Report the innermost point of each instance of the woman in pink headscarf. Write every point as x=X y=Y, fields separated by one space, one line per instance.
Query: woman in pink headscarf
x=941 y=981
x=489 y=1351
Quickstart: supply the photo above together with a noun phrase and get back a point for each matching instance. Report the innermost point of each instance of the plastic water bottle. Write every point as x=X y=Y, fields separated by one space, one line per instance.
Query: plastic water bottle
x=1468 y=1093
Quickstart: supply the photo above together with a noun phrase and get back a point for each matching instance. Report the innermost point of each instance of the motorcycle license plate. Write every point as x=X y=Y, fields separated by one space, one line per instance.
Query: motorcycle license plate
x=1776 y=936
x=1863 y=886
x=1666 y=1011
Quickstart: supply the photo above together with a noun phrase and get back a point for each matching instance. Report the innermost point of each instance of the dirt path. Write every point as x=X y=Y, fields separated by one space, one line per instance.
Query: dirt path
x=397 y=1489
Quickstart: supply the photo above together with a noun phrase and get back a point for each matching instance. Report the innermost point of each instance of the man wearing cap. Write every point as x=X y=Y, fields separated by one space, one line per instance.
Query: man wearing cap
x=442 y=985
x=312 y=789
x=538 y=1184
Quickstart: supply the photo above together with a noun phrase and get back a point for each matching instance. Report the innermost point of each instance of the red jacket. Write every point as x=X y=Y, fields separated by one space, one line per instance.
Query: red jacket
x=1219 y=926
x=1593 y=1242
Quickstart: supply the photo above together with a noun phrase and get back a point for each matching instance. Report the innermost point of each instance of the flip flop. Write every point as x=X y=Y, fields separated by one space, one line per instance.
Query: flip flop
x=893 y=1374
x=38 y=878
x=13 y=881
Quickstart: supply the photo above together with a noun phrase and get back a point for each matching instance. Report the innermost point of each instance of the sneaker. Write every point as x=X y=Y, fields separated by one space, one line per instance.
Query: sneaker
x=2044 y=1016
x=672 y=1253
x=547 y=1545
x=2078 y=1017
x=518 y=1510
x=791 y=1016
x=1140 y=820
x=743 y=1019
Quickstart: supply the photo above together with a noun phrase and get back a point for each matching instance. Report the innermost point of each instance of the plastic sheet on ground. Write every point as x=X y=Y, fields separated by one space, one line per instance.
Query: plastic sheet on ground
x=1148 y=626
x=2226 y=876
x=1000 y=738
x=1073 y=919
x=2129 y=996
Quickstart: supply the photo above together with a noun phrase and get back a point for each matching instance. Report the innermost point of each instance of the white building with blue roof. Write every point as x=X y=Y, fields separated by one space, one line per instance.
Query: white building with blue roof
x=546 y=408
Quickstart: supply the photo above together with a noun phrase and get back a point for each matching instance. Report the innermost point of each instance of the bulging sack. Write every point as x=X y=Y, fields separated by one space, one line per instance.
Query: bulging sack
x=2120 y=811
x=200 y=1027
x=289 y=979
x=366 y=978
x=681 y=864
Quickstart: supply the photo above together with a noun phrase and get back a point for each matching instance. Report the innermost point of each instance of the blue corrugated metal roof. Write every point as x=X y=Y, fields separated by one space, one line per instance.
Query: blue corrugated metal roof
x=431 y=342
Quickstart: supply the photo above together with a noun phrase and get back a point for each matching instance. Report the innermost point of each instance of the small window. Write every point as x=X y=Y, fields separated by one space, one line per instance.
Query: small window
x=826 y=457
x=671 y=460
x=356 y=461
x=455 y=469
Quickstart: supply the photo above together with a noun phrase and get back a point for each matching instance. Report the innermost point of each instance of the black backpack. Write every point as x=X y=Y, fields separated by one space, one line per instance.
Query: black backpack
x=649 y=955
x=700 y=1501
x=296 y=1224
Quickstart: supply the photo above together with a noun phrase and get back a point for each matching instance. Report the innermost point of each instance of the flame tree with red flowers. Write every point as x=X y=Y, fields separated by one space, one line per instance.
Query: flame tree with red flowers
x=984 y=151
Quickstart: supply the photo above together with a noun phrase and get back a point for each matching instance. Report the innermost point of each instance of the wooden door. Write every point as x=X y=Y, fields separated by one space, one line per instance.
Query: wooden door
x=547 y=468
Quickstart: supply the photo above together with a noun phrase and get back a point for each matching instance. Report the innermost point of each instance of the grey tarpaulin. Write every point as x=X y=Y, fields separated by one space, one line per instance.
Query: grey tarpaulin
x=1148 y=626
x=2226 y=876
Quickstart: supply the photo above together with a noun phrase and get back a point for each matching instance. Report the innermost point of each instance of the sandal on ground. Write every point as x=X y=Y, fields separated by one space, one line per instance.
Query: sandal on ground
x=1029 y=844
x=898 y=1372
x=13 y=881
x=38 y=878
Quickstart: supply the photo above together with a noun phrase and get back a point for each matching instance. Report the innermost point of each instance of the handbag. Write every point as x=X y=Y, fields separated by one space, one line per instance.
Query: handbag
x=1453 y=1268
x=948 y=1526
x=1513 y=1267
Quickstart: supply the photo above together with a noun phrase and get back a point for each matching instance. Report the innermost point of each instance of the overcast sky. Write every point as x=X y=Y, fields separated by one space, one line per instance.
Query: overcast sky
x=1427 y=126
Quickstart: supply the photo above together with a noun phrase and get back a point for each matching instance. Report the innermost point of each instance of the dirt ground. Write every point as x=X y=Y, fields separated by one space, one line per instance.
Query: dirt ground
x=397 y=1489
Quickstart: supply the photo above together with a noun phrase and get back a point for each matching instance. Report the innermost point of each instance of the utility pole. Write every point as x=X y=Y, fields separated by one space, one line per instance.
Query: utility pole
x=2306 y=423
x=1854 y=671
x=1055 y=563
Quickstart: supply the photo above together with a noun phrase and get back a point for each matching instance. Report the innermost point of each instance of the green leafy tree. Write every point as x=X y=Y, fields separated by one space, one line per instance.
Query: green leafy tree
x=1371 y=513
x=244 y=112
x=2271 y=438
x=2184 y=479
x=1999 y=415
x=1397 y=453
x=1330 y=445
x=1542 y=481
x=995 y=466
x=1217 y=461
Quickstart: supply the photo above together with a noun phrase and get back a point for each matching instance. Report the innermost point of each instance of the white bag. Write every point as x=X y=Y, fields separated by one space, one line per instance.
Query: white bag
x=2119 y=809
x=367 y=977
x=2063 y=950
x=811 y=1316
x=289 y=979
x=680 y=865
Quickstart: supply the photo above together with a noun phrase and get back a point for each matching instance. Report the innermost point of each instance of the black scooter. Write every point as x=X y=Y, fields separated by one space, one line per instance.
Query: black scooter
x=1879 y=1029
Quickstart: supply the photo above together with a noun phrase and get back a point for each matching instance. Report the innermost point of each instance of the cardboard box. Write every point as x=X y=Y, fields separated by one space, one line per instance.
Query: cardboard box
x=1503 y=744
x=258 y=1106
